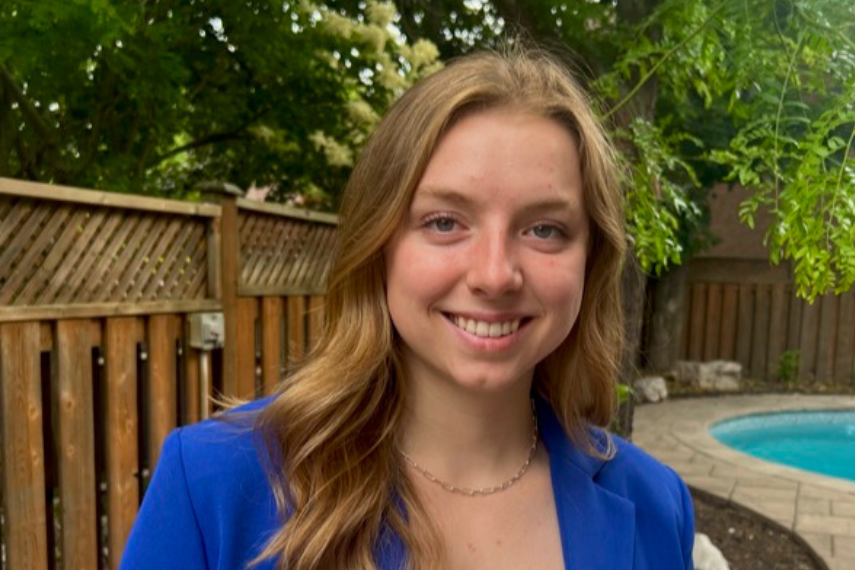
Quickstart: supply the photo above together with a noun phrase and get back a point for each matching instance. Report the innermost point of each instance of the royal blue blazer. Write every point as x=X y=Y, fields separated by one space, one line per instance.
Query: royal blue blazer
x=210 y=507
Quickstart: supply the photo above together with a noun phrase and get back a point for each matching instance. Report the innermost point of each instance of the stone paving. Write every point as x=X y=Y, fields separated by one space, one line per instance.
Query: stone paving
x=819 y=509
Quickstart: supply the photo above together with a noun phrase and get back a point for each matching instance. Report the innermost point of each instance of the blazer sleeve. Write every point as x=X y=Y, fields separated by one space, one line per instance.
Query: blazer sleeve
x=166 y=533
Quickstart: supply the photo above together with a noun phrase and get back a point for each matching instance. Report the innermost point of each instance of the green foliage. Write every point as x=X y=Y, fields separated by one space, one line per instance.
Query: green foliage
x=154 y=96
x=767 y=85
x=659 y=209
x=788 y=367
x=624 y=393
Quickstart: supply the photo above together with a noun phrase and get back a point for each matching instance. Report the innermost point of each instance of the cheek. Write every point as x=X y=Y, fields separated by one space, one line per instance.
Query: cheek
x=562 y=281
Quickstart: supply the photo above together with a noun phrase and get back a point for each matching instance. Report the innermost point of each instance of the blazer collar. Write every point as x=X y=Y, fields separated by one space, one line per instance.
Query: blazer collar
x=597 y=526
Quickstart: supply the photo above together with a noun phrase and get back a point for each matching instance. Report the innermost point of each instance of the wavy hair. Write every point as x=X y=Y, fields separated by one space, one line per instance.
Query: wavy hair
x=332 y=428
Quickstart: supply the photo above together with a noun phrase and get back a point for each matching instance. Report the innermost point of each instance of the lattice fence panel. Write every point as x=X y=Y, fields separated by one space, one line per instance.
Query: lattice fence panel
x=280 y=253
x=58 y=253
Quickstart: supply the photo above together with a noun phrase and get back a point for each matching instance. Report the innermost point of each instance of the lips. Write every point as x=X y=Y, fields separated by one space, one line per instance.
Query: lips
x=485 y=329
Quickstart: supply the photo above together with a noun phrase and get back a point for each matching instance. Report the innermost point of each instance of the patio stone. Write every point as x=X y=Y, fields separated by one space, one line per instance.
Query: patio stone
x=813 y=506
x=836 y=526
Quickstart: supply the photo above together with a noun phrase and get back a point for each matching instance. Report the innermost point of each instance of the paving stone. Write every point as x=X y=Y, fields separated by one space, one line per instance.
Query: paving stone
x=783 y=512
x=767 y=483
x=686 y=468
x=719 y=486
x=771 y=494
x=844 y=547
x=813 y=506
x=841 y=563
x=814 y=492
x=837 y=526
x=728 y=470
x=843 y=509
x=820 y=543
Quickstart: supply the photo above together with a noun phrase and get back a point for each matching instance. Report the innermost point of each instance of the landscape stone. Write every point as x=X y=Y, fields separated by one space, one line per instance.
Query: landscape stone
x=650 y=389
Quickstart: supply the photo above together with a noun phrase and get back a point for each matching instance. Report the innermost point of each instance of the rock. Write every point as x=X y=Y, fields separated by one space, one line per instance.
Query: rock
x=706 y=555
x=713 y=376
x=650 y=389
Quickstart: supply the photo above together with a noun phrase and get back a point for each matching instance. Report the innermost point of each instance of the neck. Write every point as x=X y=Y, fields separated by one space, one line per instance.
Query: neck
x=468 y=439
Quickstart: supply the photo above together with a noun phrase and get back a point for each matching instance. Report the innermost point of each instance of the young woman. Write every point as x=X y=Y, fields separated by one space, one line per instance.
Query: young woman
x=452 y=415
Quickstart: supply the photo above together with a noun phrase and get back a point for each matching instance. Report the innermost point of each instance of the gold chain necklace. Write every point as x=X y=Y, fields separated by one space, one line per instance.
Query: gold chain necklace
x=482 y=491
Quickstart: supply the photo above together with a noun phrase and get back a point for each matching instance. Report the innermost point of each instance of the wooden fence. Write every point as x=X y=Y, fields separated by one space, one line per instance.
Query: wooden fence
x=747 y=311
x=96 y=367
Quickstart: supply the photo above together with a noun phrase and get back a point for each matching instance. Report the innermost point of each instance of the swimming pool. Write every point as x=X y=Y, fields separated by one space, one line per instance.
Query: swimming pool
x=818 y=441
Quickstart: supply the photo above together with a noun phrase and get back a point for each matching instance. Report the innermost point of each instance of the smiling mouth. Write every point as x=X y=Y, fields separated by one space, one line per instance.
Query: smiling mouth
x=484 y=329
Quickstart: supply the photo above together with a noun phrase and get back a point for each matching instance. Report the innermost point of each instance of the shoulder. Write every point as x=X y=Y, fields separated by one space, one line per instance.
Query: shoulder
x=662 y=500
x=223 y=458
x=632 y=467
x=639 y=477
x=209 y=503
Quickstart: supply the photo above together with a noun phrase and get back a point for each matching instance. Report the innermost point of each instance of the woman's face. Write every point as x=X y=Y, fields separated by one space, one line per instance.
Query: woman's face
x=485 y=278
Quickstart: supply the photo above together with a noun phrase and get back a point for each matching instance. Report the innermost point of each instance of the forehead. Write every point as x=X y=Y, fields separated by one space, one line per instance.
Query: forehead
x=501 y=154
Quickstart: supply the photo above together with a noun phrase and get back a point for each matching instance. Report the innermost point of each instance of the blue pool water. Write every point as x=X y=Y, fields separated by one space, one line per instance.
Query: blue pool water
x=823 y=442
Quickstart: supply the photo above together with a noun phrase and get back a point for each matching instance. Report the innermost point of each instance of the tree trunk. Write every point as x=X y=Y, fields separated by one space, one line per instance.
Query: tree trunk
x=634 y=292
x=667 y=320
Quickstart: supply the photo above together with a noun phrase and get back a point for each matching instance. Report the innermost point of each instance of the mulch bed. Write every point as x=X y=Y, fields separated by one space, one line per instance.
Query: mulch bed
x=748 y=541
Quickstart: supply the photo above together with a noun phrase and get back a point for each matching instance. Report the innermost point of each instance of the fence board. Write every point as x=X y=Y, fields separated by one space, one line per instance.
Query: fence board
x=808 y=340
x=777 y=329
x=316 y=319
x=19 y=209
x=229 y=269
x=247 y=313
x=161 y=405
x=794 y=321
x=191 y=404
x=80 y=229
x=97 y=227
x=296 y=314
x=827 y=333
x=284 y=238
x=760 y=333
x=116 y=255
x=22 y=447
x=844 y=363
x=713 y=319
x=136 y=269
x=729 y=310
x=73 y=377
x=33 y=258
x=272 y=313
x=290 y=252
x=122 y=451
x=169 y=280
x=744 y=332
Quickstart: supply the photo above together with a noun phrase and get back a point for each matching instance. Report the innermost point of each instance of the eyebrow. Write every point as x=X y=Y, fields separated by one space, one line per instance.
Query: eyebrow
x=459 y=198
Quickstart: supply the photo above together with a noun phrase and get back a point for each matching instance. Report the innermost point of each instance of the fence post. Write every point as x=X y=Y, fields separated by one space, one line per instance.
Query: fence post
x=226 y=195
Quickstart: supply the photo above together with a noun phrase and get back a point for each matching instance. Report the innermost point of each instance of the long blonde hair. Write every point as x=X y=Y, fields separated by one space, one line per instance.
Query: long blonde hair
x=331 y=430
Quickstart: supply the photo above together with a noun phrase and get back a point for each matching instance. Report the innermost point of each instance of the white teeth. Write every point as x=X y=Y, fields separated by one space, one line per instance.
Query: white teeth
x=485 y=329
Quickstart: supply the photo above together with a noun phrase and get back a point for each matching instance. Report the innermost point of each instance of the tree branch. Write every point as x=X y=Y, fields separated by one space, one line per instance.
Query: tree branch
x=31 y=115
x=652 y=71
x=234 y=134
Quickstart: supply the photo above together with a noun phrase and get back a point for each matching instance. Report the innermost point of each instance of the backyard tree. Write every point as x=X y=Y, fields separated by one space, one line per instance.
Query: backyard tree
x=154 y=96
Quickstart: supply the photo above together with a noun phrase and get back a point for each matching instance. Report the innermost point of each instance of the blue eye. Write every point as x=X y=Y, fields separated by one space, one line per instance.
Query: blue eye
x=545 y=231
x=443 y=224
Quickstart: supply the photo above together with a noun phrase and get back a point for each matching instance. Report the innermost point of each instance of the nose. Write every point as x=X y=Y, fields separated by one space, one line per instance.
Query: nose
x=494 y=269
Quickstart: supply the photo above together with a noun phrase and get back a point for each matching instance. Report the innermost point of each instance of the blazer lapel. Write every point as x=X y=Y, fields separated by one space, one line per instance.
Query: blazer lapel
x=597 y=526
